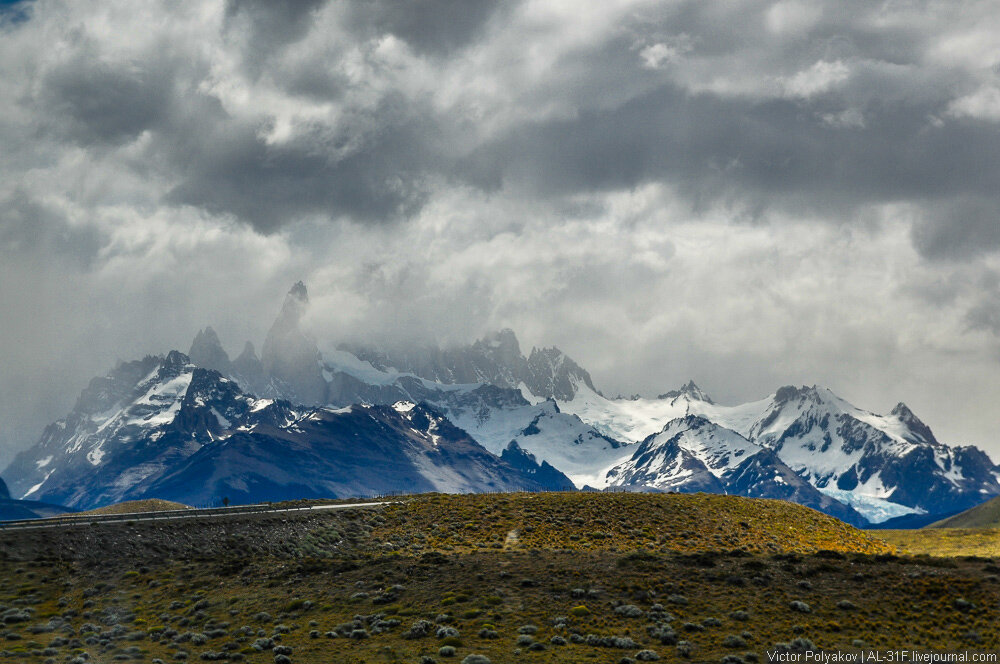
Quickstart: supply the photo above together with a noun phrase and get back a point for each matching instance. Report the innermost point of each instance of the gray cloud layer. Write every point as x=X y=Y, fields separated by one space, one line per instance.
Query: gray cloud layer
x=749 y=193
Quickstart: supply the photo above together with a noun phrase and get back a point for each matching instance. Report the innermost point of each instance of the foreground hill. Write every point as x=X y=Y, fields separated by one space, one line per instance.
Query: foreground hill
x=686 y=523
x=569 y=521
x=562 y=578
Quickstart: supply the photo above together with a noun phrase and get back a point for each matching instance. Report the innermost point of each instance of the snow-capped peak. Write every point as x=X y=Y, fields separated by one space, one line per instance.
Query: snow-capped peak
x=689 y=391
x=719 y=448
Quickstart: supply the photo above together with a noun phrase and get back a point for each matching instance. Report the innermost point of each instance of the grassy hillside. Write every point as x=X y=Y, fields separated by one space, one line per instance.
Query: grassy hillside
x=986 y=515
x=974 y=532
x=944 y=542
x=513 y=578
x=618 y=521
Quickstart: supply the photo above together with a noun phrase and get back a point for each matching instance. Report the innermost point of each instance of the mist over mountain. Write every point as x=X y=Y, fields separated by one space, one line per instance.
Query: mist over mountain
x=546 y=373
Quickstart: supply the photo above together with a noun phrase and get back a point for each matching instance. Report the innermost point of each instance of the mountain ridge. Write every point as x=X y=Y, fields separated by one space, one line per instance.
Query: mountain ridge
x=187 y=433
x=541 y=410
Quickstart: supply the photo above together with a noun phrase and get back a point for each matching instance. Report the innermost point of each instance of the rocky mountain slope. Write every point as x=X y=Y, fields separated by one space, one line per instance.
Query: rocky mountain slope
x=693 y=453
x=884 y=466
x=164 y=428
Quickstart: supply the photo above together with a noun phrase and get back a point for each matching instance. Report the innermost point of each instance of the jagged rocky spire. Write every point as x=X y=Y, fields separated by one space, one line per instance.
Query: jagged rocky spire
x=291 y=356
x=207 y=352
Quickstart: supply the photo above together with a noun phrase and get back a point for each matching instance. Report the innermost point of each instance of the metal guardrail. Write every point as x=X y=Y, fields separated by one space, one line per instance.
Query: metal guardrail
x=88 y=519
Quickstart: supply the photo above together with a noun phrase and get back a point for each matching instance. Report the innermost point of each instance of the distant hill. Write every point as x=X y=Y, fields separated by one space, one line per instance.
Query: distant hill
x=137 y=506
x=986 y=515
x=910 y=521
x=11 y=510
x=15 y=510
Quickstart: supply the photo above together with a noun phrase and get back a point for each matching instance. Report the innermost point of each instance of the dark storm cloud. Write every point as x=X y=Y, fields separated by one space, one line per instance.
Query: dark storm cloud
x=773 y=148
x=29 y=228
x=230 y=168
x=961 y=227
x=434 y=27
x=271 y=25
x=864 y=135
x=93 y=102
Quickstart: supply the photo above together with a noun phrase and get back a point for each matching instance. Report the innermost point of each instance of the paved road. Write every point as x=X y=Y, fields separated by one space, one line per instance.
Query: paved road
x=171 y=515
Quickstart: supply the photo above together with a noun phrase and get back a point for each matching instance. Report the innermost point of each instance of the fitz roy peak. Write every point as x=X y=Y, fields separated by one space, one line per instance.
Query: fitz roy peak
x=354 y=419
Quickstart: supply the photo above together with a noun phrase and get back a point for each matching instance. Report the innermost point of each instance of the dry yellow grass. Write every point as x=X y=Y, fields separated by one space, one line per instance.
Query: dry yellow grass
x=348 y=587
x=136 y=506
x=945 y=542
x=683 y=523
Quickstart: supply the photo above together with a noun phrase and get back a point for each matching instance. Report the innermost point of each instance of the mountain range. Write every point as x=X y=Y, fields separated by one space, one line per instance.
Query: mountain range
x=353 y=419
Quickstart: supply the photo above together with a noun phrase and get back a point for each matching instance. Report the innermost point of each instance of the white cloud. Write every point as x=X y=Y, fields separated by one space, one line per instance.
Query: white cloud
x=821 y=77
x=983 y=104
x=661 y=54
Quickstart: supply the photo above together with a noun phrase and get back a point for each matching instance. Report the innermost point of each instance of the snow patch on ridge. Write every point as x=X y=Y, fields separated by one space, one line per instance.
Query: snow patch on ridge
x=37 y=486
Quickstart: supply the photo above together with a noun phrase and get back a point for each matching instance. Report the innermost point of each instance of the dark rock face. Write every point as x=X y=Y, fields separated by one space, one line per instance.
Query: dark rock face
x=357 y=451
x=126 y=428
x=919 y=481
x=553 y=375
x=764 y=475
x=545 y=475
x=29 y=509
x=689 y=391
x=25 y=509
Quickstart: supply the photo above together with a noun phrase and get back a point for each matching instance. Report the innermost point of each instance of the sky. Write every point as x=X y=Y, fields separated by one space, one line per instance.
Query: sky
x=744 y=193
